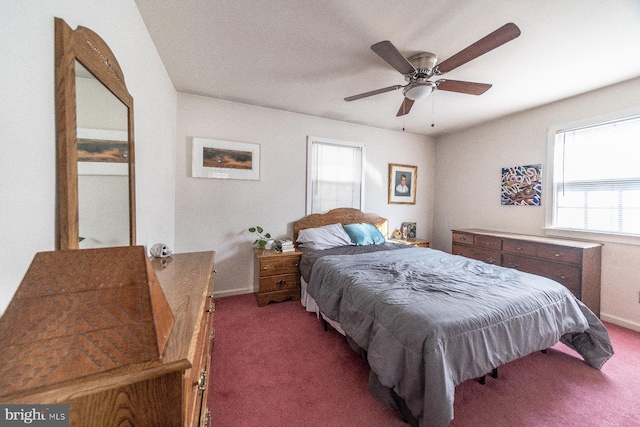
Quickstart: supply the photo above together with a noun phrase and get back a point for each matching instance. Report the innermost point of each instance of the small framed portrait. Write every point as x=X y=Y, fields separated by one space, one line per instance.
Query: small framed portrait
x=402 y=183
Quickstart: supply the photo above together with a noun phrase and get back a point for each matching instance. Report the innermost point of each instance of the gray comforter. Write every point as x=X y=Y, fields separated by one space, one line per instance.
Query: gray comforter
x=429 y=320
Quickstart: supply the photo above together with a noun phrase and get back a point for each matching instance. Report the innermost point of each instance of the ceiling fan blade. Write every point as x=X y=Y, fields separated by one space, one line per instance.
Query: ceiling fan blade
x=405 y=107
x=373 y=92
x=502 y=35
x=387 y=51
x=470 y=88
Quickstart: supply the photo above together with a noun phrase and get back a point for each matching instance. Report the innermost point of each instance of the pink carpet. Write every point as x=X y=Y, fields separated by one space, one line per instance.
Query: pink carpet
x=276 y=366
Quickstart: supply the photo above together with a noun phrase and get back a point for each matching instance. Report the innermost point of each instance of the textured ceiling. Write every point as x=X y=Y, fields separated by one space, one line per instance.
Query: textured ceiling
x=305 y=57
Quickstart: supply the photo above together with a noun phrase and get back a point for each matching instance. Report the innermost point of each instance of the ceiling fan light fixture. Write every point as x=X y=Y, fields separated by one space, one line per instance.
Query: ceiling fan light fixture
x=418 y=91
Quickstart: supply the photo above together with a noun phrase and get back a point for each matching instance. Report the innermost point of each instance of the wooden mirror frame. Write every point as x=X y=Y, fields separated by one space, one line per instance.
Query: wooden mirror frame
x=92 y=52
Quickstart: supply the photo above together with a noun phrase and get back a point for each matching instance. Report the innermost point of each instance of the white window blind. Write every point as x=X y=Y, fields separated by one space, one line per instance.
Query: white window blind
x=596 y=177
x=334 y=175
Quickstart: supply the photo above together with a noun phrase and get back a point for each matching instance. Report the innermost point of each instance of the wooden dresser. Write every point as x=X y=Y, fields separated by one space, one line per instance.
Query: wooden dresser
x=167 y=391
x=276 y=275
x=574 y=264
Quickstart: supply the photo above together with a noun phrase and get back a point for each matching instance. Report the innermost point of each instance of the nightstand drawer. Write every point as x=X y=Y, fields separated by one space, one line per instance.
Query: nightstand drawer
x=279 y=282
x=279 y=265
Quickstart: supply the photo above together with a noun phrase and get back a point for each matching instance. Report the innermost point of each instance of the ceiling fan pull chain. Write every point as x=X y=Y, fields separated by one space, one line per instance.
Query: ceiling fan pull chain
x=433 y=109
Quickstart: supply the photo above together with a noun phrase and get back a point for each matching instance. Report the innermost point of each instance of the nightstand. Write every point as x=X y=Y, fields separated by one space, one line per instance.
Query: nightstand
x=420 y=243
x=277 y=275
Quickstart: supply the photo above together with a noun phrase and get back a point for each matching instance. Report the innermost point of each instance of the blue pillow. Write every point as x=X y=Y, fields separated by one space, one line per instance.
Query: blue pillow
x=364 y=234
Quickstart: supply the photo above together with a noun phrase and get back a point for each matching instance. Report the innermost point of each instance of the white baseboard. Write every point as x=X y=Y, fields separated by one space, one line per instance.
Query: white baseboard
x=620 y=321
x=221 y=294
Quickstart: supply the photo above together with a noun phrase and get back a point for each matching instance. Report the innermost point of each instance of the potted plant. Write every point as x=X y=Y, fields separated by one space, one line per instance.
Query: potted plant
x=263 y=238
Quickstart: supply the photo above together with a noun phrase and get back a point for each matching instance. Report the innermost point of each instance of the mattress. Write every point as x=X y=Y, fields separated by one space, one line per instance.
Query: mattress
x=429 y=320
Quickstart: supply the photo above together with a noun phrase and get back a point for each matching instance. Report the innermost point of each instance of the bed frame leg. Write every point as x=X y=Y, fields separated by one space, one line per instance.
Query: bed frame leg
x=483 y=379
x=324 y=324
x=543 y=351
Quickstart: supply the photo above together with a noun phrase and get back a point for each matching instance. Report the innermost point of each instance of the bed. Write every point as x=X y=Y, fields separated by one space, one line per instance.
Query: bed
x=427 y=320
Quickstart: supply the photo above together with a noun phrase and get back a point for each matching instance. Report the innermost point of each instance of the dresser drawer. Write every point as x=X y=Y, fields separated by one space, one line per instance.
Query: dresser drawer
x=488 y=242
x=279 y=282
x=279 y=265
x=490 y=257
x=566 y=275
x=560 y=253
x=519 y=247
x=462 y=238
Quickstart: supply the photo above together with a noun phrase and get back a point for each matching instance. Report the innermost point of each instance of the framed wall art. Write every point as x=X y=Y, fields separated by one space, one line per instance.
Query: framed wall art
x=402 y=183
x=522 y=185
x=214 y=158
x=103 y=152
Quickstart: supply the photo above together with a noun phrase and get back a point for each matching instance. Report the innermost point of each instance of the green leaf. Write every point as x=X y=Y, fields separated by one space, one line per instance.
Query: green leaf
x=268 y=236
x=252 y=230
x=260 y=230
x=262 y=243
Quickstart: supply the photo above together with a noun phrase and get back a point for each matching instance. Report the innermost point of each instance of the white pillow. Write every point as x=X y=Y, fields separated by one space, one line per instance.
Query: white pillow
x=325 y=237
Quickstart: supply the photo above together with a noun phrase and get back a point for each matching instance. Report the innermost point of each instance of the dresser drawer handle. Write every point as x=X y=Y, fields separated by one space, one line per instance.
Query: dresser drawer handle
x=212 y=335
x=563 y=277
x=556 y=254
x=202 y=381
x=212 y=307
x=281 y=282
x=487 y=244
x=518 y=248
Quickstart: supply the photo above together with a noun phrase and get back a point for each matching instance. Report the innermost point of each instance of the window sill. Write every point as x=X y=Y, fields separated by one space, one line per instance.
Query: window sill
x=596 y=236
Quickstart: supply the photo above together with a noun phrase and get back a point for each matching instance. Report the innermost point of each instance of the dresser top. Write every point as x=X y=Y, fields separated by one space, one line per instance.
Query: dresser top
x=530 y=238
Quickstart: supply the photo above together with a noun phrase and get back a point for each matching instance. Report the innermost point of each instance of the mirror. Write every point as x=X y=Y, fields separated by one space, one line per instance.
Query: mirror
x=95 y=145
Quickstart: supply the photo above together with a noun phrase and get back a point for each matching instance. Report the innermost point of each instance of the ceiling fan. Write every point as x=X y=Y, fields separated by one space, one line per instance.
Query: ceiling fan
x=419 y=68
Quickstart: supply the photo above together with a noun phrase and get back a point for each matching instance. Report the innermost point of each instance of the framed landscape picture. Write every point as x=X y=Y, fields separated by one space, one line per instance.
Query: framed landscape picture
x=402 y=183
x=103 y=152
x=214 y=158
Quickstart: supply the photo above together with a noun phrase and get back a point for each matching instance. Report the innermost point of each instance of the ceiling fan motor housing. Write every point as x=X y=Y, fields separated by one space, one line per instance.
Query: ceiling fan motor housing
x=419 y=86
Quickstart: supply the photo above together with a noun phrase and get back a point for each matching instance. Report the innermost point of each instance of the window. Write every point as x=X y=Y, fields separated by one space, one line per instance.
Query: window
x=334 y=175
x=596 y=177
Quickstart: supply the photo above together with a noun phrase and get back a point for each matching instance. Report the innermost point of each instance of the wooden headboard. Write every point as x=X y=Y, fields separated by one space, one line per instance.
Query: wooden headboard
x=342 y=215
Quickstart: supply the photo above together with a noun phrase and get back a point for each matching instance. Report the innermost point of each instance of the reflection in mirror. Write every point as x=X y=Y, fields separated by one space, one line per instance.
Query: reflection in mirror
x=103 y=175
x=95 y=145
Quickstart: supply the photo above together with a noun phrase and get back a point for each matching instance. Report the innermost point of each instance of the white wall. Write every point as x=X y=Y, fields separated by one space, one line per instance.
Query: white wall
x=214 y=214
x=27 y=124
x=468 y=173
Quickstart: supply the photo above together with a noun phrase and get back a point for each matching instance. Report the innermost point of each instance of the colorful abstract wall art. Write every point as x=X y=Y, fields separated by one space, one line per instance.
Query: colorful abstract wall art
x=522 y=185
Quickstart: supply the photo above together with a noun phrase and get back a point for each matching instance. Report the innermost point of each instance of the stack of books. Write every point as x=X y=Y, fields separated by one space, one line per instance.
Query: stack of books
x=287 y=245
